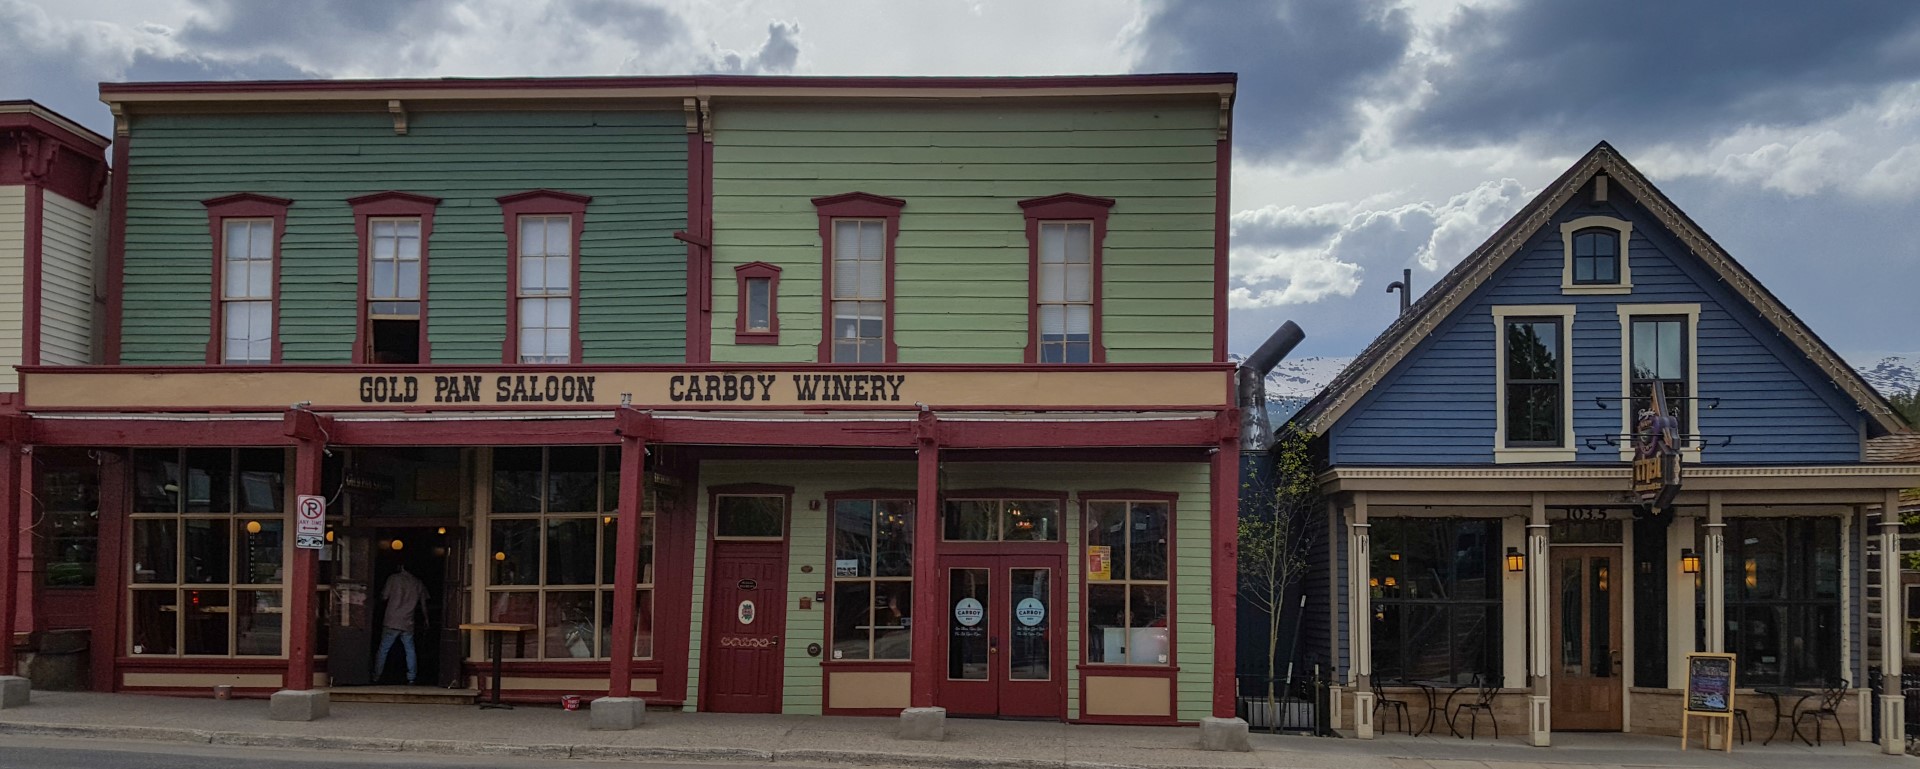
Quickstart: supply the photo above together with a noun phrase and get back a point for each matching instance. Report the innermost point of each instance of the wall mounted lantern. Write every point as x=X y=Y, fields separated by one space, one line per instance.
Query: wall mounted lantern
x=1689 y=561
x=1516 y=561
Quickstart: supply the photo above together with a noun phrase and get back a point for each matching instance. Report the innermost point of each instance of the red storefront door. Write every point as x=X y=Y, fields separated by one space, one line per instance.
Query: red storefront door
x=1004 y=643
x=746 y=615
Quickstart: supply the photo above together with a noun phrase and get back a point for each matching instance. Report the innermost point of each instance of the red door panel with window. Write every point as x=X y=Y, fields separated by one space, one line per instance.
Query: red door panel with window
x=746 y=619
x=1003 y=640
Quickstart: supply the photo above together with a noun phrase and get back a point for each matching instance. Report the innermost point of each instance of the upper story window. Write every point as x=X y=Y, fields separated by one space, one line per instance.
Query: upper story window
x=1064 y=237
x=246 y=235
x=1595 y=256
x=394 y=230
x=543 y=247
x=857 y=233
x=757 y=289
x=1534 y=405
x=1659 y=364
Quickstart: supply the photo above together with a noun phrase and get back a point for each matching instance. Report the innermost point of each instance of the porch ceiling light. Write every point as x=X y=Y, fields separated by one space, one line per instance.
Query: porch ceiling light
x=1515 y=560
x=1689 y=561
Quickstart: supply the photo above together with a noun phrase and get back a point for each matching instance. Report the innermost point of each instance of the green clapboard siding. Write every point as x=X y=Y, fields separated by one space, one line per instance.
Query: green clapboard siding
x=632 y=271
x=961 y=278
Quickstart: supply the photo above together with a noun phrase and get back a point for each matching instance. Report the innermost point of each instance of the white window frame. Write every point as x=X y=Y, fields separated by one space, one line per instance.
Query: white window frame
x=842 y=293
x=524 y=295
x=229 y=298
x=374 y=260
x=1065 y=302
x=1691 y=451
x=1624 y=229
x=1566 y=451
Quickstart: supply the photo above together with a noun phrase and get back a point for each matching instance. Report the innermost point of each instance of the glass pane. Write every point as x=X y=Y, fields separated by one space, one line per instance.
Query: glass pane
x=385 y=279
x=72 y=550
x=1031 y=520
x=1600 y=622
x=1053 y=282
x=516 y=552
x=893 y=538
x=533 y=275
x=206 y=626
x=1473 y=641
x=871 y=249
x=892 y=620
x=533 y=240
x=409 y=280
x=1148 y=554
x=759 y=314
x=1533 y=413
x=156 y=481
x=1079 y=322
x=559 y=277
x=156 y=553
x=208 y=551
x=155 y=613
x=853 y=538
x=1822 y=540
x=971 y=520
x=1029 y=652
x=1572 y=617
x=1760 y=641
x=1106 y=522
x=1670 y=347
x=519 y=608
x=1079 y=283
x=235 y=280
x=571 y=627
x=1762 y=548
x=559 y=345
x=209 y=480
x=1473 y=553
x=573 y=479
x=1388 y=654
x=1533 y=351
x=261 y=476
x=1080 y=243
x=852 y=620
x=571 y=543
x=1582 y=266
x=257 y=623
x=1106 y=636
x=969 y=604
x=1053 y=321
x=750 y=517
x=1053 y=243
x=642 y=624
x=516 y=480
x=261 y=552
x=1147 y=616
x=237 y=248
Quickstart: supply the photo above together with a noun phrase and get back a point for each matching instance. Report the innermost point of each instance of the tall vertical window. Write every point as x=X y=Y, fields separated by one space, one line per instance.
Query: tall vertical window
x=394 y=228
x=1596 y=256
x=1065 y=234
x=1659 y=360
x=67 y=493
x=1782 y=599
x=857 y=233
x=1129 y=610
x=246 y=232
x=553 y=534
x=208 y=552
x=1435 y=590
x=859 y=291
x=543 y=249
x=1535 y=374
x=757 y=290
x=872 y=579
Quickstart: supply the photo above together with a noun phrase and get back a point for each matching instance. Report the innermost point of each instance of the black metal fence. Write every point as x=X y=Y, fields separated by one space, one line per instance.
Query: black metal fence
x=1910 y=687
x=1298 y=704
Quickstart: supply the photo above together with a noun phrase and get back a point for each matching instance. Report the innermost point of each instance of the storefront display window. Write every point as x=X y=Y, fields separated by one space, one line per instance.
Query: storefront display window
x=208 y=552
x=553 y=537
x=68 y=490
x=1128 y=612
x=1436 y=598
x=872 y=579
x=1782 y=599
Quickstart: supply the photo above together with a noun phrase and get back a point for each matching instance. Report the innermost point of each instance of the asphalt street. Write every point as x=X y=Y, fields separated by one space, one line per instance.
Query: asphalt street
x=48 y=753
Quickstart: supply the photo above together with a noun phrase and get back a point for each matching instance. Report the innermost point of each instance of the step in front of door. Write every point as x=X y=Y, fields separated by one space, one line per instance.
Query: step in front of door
x=411 y=695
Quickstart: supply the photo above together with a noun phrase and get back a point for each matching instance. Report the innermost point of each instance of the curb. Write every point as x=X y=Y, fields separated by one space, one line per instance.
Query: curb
x=638 y=753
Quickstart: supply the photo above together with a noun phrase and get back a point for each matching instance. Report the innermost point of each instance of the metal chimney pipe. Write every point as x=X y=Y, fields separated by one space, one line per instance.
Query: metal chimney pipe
x=1256 y=433
x=1405 y=286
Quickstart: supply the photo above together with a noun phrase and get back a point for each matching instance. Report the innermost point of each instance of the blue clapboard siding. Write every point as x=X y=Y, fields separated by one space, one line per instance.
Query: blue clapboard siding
x=1437 y=406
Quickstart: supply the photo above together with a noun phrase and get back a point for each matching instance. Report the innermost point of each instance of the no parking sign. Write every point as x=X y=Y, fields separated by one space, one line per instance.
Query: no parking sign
x=310 y=522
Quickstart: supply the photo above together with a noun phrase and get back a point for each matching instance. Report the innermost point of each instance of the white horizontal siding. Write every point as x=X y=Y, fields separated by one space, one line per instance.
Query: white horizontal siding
x=66 y=282
x=13 y=223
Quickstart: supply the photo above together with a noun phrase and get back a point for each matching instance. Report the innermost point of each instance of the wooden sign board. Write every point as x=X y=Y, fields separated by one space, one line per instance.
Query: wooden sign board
x=1709 y=695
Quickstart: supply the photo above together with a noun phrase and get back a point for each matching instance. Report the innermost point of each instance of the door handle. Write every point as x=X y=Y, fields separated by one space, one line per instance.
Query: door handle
x=1615 y=656
x=993 y=645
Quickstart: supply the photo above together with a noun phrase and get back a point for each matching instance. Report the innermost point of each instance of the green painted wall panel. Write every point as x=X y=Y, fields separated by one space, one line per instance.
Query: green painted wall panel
x=961 y=286
x=633 y=273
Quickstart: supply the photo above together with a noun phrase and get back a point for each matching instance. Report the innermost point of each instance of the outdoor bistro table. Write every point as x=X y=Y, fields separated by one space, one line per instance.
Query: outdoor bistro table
x=1775 y=693
x=497 y=632
x=1434 y=705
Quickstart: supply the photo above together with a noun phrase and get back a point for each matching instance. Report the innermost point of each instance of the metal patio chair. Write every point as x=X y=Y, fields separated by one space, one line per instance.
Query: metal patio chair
x=1487 y=687
x=1402 y=720
x=1829 y=709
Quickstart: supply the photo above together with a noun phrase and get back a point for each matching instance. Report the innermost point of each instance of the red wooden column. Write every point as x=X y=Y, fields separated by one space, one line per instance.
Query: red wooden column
x=632 y=426
x=1224 y=472
x=309 y=432
x=926 y=567
x=13 y=435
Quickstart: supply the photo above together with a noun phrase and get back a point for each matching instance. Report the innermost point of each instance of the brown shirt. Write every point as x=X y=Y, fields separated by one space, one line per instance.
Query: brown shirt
x=404 y=594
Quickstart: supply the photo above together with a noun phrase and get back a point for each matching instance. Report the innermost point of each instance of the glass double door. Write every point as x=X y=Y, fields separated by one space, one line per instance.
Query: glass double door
x=1005 y=641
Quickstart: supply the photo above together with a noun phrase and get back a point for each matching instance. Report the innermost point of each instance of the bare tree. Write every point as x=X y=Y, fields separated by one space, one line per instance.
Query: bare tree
x=1277 y=541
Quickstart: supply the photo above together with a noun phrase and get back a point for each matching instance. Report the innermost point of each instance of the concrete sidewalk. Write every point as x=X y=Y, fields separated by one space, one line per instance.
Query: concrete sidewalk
x=538 y=732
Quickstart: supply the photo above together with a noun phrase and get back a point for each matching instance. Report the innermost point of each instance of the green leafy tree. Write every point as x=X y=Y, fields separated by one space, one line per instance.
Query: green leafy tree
x=1908 y=404
x=1276 y=544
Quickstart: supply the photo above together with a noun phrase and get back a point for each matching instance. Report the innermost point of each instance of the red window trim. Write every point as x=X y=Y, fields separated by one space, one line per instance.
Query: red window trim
x=245 y=205
x=542 y=202
x=381 y=205
x=833 y=497
x=855 y=205
x=1173 y=579
x=1066 y=206
x=753 y=271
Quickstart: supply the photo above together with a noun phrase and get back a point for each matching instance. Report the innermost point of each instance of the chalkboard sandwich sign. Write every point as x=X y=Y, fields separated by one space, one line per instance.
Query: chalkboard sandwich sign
x=1710 y=680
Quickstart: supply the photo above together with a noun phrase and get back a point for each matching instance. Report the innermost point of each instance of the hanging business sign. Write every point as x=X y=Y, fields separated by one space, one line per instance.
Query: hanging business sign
x=310 y=522
x=1656 y=454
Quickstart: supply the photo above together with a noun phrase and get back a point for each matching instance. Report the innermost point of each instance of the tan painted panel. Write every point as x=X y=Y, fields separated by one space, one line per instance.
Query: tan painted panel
x=210 y=680
x=767 y=388
x=1127 y=696
x=508 y=683
x=852 y=690
x=66 y=282
x=13 y=215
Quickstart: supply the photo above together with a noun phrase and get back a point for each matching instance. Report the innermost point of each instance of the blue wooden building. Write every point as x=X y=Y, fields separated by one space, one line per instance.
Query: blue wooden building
x=1485 y=527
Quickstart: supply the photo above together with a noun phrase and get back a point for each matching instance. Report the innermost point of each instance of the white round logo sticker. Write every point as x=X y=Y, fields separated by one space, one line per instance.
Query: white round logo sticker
x=969 y=612
x=746 y=612
x=1030 y=611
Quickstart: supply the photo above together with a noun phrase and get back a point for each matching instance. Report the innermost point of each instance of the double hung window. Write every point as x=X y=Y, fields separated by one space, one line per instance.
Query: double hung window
x=1596 y=256
x=206 y=562
x=860 y=300
x=1659 y=360
x=1535 y=371
x=546 y=292
x=1129 y=609
x=394 y=230
x=872 y=579
x=246 y=231
x=1065 y=235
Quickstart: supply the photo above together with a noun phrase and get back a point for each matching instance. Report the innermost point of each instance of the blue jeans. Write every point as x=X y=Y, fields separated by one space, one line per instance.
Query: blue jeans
x=386 y=646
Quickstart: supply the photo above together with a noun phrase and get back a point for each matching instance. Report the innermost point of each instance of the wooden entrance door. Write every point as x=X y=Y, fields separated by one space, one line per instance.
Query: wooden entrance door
x=746 y=616
x=1004 y=638
x=1586 y=652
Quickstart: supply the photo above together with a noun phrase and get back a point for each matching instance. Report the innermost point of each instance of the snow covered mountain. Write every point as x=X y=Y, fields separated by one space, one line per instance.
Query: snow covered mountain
x=1894 y=374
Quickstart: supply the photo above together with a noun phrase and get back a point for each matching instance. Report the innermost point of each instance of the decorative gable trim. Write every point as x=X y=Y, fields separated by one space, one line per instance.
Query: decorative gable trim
x=859 y=204
x=1453 y=290
x=394 y=203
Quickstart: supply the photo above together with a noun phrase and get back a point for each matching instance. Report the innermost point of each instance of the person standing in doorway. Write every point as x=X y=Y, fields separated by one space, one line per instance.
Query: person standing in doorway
x=404 y=594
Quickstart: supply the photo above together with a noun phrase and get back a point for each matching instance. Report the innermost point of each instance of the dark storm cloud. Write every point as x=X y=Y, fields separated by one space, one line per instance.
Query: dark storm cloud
x=330 y=34
x=1303 y=64
x=1658 y=71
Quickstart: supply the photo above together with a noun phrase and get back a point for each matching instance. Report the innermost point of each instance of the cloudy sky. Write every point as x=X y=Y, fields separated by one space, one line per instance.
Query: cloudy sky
x=1372 y=135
